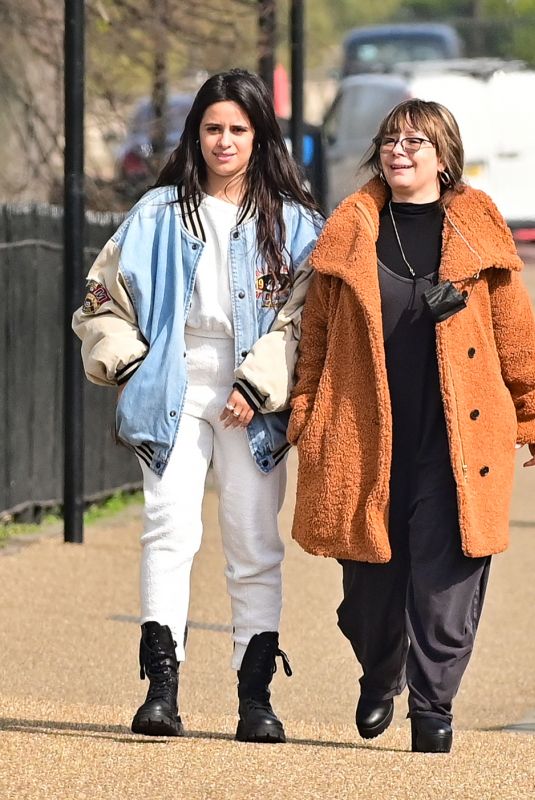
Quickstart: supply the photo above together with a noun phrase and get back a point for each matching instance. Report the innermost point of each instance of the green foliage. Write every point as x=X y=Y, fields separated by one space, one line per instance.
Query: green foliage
x=123 y=37
x=115 y=504
x=431 y=10
x=7 y=531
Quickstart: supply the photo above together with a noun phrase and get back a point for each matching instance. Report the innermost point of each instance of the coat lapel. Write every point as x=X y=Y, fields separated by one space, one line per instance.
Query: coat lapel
x=475 y=237
x=346 y=247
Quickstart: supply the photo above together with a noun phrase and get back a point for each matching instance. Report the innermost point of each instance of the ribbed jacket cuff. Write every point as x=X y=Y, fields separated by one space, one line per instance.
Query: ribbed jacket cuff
x=250 y=393
x=125 y=373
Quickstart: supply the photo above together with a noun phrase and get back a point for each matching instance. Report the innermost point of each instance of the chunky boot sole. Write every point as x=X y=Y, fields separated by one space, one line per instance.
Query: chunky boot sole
x=267 y=734
x=431 y=742
x=157 y=724
x=371 y=732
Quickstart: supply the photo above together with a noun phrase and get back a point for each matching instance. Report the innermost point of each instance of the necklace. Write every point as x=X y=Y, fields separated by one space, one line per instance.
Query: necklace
x=412 y=272
x=455 y=228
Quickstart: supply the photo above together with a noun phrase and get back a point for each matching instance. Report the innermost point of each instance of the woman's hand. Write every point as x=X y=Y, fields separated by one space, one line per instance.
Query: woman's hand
x=531 y=462
x=237 y=412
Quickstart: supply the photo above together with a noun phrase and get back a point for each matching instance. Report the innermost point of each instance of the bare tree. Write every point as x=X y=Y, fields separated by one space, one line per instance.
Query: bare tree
x=135 y=48
x=31 y=88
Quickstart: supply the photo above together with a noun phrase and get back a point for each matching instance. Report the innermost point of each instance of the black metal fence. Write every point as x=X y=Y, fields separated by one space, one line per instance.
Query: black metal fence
x=31 y=369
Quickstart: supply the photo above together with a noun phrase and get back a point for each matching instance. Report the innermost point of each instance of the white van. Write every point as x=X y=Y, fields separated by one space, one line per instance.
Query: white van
x=491 y=102
x=508 y=174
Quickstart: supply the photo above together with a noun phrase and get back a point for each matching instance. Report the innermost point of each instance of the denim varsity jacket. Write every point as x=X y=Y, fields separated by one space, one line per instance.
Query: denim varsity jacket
x=133 y=318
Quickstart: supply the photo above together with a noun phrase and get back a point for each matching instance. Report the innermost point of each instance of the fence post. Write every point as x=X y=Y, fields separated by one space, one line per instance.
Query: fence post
x=73 y=267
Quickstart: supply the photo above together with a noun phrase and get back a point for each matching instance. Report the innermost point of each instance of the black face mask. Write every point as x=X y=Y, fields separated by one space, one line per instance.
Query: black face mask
x=444 y=300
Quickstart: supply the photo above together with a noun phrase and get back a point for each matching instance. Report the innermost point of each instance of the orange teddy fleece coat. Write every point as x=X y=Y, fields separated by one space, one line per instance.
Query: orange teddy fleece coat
x=341 y=416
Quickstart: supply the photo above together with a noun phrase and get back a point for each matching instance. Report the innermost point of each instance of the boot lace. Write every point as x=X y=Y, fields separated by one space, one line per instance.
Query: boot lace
x=156 y=663
x=285 y=662
x=263 y=654
x=160 y=668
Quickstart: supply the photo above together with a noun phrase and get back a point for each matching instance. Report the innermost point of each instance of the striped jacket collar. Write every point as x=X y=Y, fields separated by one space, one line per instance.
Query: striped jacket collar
x=192 y=218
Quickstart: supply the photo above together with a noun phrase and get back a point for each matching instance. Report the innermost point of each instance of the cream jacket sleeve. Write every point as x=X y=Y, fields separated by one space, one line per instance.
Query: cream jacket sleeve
x=269 y=366
x=112 y=345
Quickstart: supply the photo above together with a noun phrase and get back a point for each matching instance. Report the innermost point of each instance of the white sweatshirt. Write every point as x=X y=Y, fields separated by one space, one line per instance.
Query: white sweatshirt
x=210 y=312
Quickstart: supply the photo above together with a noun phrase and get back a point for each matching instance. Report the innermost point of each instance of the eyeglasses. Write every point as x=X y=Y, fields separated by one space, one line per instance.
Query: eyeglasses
x=410 y=144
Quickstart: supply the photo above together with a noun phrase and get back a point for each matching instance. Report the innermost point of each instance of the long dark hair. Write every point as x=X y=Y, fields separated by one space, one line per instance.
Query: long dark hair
x=271 y=175
x=441 y=128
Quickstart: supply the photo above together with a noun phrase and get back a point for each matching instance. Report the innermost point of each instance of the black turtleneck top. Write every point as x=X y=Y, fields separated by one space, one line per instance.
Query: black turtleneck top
x=419 y=432
x=419 y=227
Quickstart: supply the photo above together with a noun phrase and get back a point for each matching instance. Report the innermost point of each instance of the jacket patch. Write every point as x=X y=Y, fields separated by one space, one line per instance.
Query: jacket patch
x=273 y=294
x=96 y=296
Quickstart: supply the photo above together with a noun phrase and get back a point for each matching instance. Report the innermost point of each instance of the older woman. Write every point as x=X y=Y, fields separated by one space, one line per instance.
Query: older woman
x=416 y=378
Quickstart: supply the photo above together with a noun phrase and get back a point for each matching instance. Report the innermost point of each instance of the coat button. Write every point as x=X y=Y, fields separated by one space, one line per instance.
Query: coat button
x=195 y=246
x=474 y=414
x=172 y=413
x=484 y=471
x=158 y=464
x=265 y=463
x=471 y=352
x=464 y=294
x=241 y=294
x=235 y=235
x=243 y=353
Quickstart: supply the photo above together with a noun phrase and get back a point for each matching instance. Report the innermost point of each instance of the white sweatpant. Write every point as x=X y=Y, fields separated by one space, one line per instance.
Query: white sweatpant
x=249 y=502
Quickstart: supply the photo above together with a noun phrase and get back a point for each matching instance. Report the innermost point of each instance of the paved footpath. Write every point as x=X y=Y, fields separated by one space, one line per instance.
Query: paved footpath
x=69 y=683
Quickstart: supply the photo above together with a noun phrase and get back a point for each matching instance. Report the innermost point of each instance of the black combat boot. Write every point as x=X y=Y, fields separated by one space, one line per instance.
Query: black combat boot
x=158 y=716
x=258 y=722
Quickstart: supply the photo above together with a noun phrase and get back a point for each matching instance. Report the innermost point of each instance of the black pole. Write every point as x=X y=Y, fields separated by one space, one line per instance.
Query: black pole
x=267 y=24
x=73 y=269
x=297 y=33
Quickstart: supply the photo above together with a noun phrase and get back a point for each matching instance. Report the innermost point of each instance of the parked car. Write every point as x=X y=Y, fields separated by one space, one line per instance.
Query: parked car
x=137 y=162
x=488 y=99
x=378 y=48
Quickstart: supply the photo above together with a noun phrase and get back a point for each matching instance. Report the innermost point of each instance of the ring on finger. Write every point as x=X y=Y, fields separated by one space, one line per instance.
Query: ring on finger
x=236 y=413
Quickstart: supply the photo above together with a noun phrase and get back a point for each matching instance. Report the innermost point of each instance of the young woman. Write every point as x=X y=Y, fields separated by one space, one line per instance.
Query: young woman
x=416 y=379
x=181 y=314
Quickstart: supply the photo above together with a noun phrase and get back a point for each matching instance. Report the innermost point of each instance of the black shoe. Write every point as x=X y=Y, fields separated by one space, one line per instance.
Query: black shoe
x=258 y=722
x=431 y=735
x=373 y=717
x=158 y=716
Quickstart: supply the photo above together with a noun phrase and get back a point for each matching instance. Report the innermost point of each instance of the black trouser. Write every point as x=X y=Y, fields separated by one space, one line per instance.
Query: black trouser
x=416 y=617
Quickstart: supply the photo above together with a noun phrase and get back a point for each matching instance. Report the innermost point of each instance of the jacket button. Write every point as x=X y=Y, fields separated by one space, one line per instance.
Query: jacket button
x=464 y=294
x=265 y=463
x=484 y=471
x=474 y=414
x=172 y=413
x=471 y=352
x=243 y=353
x=235 y=235
x=195 y=246
x=241 y=294
x=158 y=464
